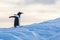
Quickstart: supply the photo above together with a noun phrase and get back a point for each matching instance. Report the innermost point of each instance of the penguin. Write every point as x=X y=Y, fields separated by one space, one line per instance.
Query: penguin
x=16 y=20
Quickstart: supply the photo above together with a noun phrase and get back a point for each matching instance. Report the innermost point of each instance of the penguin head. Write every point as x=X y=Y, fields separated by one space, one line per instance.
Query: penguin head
x=19 y=13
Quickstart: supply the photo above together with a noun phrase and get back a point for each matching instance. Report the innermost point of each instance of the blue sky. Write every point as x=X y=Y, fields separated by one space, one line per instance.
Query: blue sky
x=34 y=11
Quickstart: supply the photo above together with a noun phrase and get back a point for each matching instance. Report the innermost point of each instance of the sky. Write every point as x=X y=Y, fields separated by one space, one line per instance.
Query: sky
x=34 y=11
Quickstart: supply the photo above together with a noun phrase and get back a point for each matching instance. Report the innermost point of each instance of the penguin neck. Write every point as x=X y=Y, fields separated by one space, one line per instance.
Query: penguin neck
x=19 y=15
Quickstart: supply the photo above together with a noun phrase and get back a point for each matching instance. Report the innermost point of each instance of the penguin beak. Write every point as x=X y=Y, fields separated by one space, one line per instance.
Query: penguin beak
x=21 y=13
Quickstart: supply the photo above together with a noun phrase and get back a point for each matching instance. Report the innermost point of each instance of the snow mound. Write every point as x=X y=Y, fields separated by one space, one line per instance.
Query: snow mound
x=49 y=30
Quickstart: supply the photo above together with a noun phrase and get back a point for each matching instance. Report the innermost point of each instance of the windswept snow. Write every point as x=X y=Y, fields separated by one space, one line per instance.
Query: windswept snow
x=48 y=30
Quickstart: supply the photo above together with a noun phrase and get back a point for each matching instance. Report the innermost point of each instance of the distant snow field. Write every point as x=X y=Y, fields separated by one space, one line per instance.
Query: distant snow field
x=49 y=30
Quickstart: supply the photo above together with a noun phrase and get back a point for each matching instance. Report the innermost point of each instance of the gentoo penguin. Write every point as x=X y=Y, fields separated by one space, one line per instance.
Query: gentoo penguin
x=16 y=20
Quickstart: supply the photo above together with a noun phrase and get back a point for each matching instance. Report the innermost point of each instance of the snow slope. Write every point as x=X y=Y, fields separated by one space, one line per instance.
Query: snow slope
x=48 y=30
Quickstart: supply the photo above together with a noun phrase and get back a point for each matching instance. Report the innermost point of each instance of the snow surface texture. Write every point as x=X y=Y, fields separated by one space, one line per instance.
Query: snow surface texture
x=49 y=30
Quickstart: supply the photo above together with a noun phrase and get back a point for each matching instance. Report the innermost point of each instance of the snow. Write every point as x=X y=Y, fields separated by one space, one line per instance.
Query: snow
x=48 y=30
